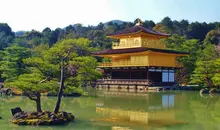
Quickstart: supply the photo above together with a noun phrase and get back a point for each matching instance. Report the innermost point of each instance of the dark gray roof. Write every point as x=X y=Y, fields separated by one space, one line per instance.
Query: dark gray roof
x=138 y=28
x=133 y=50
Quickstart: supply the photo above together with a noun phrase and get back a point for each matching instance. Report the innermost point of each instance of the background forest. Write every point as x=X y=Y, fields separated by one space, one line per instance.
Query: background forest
x=201 y=40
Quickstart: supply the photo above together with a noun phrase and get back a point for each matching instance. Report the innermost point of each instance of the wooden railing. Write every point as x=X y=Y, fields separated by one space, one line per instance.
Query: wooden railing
x=105 y=64
x=129 y=63
x=123 y=81
x=120 y=64
x=138 y=82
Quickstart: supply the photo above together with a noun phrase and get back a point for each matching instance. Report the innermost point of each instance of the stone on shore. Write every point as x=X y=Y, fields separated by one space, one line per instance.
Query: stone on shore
x=15 y=110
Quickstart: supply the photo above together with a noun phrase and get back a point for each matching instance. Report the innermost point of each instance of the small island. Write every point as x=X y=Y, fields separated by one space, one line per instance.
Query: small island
x=41 y=118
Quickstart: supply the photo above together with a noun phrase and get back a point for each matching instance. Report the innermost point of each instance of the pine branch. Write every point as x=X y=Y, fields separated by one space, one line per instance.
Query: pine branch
x=44 y=80
x=29 y=96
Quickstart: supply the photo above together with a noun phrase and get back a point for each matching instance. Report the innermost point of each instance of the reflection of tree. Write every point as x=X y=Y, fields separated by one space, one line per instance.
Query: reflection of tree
x=183 y=109
x=204 y=109
x=209 y=102
x=85 y=102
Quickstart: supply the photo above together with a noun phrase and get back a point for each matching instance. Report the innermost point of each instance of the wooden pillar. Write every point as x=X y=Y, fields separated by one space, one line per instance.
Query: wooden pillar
x=168 y=74
x=148 y=73
x=111 y=73
x=130 y=73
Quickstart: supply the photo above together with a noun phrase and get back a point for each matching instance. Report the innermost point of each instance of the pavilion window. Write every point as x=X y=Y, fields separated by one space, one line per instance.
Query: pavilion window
x=151 y=70
x=136 y=42
x=165 y=76
x=171 y=75
x=158 y=70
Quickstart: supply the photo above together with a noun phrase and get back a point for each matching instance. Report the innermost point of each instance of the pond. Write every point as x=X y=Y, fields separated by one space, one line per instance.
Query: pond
x=105 y=110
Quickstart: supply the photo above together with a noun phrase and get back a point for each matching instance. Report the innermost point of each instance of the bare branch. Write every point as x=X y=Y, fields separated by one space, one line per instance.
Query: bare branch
x=44 y=80
x=68 y=53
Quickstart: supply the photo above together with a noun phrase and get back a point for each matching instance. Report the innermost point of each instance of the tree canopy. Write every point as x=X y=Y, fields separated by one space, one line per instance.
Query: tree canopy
x=62 y=68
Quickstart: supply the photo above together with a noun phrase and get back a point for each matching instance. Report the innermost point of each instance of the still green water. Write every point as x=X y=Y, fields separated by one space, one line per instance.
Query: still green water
x=126 y=111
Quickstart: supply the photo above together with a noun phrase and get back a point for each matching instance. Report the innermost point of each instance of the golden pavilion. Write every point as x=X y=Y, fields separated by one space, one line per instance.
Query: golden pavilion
x=139 y=58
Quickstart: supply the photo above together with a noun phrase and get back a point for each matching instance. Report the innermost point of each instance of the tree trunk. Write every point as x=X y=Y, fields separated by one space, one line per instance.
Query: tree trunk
x=208 y=80
x=35 y=97
x=60 y=93
x=38 y=102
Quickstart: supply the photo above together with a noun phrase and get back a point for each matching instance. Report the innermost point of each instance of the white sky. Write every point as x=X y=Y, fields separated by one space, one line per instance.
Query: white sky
x=39 y=14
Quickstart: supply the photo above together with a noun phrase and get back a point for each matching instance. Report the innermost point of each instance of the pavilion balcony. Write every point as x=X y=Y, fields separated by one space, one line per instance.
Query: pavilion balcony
x=120 y=64
x=133 y=64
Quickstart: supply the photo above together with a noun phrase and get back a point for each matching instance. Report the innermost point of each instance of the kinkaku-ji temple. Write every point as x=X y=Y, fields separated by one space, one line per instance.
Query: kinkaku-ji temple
x=139 y=59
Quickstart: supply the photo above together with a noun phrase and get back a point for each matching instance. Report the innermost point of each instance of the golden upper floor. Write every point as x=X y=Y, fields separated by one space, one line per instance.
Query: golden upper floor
x=138 y=42
x=138 y=36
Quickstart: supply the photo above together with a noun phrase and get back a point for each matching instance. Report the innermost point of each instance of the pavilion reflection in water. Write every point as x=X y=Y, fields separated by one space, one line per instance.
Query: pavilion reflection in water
x=161 y=110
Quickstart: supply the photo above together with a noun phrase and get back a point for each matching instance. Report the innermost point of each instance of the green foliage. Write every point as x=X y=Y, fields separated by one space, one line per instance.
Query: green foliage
x=99 y=39
x=77 y=60
x=5 y=40
x=33 y=34
x=216 y=77
x=4 y=27
x=198 y=30
x=31 y=83
x=207 y=68
x=167 y=22
x=21 y=42
x=87 y=71
x=50 y=35
x=209 y=53
x=97 y=34
x=193 y=47
x=148 y=24
x=47 y=62
x=203 y=73
x=162 y=28
x=11 y=64
x=42 y=65
x=213 y=37
x=110 y=28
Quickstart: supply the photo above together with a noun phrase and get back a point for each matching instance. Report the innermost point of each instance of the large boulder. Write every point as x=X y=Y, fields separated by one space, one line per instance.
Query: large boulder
x=15 y=110
x=204 y=91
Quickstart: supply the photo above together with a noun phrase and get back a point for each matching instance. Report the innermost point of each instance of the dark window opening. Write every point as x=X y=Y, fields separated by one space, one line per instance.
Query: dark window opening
x=155 y=76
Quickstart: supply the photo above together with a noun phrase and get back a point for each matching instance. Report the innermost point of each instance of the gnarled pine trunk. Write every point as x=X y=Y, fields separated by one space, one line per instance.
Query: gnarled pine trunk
x=38 y=102
x=60 y=93
x=35 y=96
